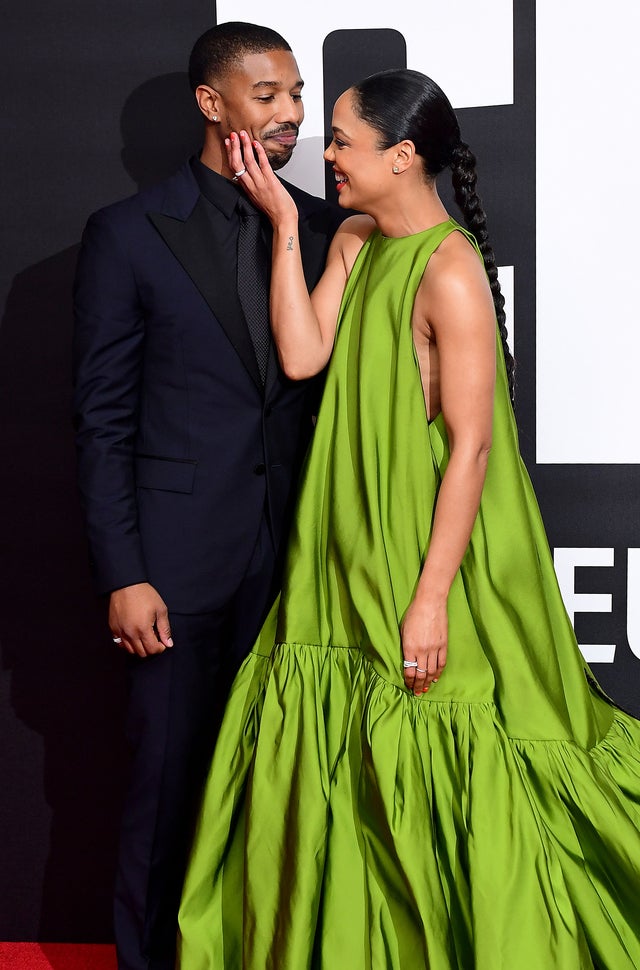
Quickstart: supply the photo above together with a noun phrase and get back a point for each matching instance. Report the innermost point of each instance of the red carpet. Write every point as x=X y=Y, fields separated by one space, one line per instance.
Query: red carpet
x=57 y=956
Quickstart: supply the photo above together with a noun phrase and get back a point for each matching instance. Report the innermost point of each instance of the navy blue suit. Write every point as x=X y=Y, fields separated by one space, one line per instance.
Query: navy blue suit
x=187 y=467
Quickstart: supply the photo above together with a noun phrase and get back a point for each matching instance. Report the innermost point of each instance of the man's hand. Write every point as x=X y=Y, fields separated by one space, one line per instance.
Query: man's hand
x=139 y=620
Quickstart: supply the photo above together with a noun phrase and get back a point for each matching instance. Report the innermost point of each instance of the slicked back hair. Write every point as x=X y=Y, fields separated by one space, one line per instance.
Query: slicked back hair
x=401 y=104
x=222 y=48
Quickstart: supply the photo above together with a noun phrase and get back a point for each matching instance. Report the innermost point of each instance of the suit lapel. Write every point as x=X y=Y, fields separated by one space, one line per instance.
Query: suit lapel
x=187 y=232
x=182 y=222
x=273 y=369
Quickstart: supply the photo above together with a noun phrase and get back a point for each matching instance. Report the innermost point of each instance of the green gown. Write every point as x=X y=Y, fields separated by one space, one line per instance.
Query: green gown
x=492 y=823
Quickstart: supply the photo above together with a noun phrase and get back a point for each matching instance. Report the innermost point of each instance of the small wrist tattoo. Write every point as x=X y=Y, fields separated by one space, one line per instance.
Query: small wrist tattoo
x=290 y=243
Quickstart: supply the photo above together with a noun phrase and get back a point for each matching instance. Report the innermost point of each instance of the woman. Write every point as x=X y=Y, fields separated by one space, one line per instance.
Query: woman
x=416 y=768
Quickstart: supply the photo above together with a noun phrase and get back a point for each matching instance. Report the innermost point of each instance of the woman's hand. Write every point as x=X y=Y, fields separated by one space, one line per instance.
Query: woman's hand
x=249 y=162
x=424 y=634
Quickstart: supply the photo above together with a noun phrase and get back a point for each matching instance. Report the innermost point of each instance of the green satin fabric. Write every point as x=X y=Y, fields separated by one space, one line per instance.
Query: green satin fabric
x=492 y=823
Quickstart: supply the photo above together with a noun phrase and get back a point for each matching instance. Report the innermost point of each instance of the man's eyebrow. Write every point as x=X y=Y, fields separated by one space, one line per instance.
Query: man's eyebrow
x=275 y=84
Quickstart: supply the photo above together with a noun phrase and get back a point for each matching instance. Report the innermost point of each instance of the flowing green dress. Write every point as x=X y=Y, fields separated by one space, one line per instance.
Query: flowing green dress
x=492 y=823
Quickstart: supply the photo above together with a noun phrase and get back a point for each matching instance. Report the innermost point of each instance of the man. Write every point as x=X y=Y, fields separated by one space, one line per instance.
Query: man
x=189 y=442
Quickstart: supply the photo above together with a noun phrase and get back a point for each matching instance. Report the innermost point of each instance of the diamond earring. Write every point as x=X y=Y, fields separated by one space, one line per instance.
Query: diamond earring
x=395 y=169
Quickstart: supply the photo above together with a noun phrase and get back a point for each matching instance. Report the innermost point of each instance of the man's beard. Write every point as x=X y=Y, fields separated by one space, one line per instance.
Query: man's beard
x=278 y=160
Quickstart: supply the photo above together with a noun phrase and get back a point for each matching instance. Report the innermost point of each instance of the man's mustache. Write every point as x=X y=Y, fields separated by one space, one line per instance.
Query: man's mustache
x=282 y=130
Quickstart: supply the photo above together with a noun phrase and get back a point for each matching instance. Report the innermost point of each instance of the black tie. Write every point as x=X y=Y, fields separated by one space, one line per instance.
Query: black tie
x=253 y=286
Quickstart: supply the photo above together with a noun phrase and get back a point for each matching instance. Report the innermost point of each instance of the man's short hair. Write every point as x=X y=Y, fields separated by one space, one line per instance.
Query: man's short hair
x=222 y=48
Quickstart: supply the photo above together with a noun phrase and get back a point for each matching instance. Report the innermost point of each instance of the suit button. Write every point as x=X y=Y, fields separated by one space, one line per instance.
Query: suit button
x=259 y=469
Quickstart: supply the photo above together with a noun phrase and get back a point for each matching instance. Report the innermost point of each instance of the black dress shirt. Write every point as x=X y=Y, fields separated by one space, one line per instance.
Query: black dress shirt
x=219 y=198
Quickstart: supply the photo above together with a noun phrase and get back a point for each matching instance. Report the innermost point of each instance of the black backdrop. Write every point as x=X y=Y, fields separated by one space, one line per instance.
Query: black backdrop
x=95 y=103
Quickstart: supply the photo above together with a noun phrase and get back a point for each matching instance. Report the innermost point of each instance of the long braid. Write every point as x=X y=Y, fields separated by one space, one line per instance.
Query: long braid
x=464 y=178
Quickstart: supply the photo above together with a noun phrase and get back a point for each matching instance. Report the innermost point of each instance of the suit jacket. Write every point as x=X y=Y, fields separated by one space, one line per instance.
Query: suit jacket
x=180 y=449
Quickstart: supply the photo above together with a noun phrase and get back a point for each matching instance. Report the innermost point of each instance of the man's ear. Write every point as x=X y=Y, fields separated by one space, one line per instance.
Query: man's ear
x=209 y=102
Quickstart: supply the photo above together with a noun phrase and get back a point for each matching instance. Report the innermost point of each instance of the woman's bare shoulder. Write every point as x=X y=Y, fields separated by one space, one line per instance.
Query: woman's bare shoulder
x=455 y=287
x=359 y=225
x=455 y=266
x=351 y=237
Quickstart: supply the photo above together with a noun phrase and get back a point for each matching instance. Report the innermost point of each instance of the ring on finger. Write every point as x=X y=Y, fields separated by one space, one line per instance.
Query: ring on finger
x=117 y=639
x=419 y=670
x=237 y=175
x=409 y=663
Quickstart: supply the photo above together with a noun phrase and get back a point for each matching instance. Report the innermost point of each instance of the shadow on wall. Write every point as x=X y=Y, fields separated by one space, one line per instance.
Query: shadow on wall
x=67 y=682
x=161 y=125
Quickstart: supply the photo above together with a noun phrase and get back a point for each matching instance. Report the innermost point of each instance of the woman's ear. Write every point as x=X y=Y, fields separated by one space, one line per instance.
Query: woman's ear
x=403 y=155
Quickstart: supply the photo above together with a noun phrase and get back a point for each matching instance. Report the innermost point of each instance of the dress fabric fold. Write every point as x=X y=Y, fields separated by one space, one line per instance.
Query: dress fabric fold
x=491 y=824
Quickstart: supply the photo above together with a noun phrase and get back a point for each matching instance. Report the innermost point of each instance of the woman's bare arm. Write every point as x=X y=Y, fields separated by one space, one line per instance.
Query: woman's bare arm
x=461 y=319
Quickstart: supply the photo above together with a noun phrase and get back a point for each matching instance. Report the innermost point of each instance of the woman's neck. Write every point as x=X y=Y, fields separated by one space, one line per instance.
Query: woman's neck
x=409 y=211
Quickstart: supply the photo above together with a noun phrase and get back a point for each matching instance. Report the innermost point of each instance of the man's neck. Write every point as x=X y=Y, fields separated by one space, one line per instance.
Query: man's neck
x=211 y=156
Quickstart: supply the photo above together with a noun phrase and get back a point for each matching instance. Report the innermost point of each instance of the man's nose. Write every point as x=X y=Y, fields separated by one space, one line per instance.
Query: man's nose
x=289 y=111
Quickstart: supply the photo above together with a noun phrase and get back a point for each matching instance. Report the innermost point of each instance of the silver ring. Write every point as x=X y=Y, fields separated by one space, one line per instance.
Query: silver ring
x=237 y=175
x=409 y=663
x=420 y=670
x=117 y=639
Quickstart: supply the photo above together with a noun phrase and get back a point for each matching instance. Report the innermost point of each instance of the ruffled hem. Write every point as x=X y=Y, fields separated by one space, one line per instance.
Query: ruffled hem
x=346 y=825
